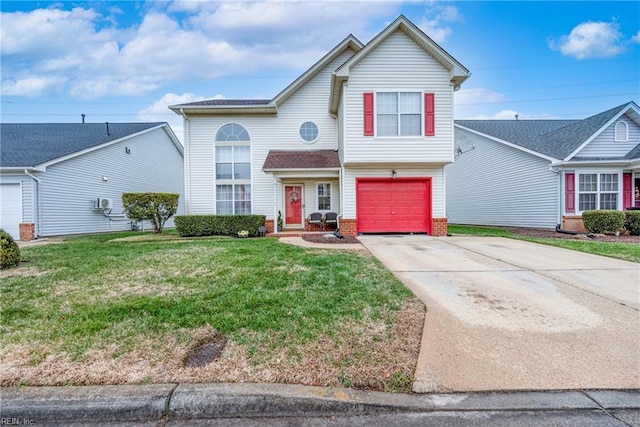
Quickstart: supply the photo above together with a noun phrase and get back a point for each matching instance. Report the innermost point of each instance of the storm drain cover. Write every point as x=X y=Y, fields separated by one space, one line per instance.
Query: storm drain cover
x=206 y=352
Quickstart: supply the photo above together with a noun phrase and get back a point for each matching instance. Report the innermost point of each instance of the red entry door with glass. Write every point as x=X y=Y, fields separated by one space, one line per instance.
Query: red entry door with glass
x=293 y=205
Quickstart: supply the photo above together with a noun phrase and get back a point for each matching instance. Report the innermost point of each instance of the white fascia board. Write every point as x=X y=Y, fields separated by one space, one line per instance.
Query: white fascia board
x=507 y=143
x=622 y=112
x=301 y=170
x=14 y=169
x=225 y=109
x=595 y=163
x=97 y=147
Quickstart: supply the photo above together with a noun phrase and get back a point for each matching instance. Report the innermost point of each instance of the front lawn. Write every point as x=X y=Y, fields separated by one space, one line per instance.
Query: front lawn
x=132 y=308
x=624 y=251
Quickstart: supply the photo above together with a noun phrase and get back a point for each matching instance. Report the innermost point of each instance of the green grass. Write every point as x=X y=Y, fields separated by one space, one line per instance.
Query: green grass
x=94 y=291
x=624 y=251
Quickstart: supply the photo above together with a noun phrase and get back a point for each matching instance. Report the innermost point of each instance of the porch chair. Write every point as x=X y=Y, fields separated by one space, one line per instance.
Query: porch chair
x=315 y=218
x=331 y=218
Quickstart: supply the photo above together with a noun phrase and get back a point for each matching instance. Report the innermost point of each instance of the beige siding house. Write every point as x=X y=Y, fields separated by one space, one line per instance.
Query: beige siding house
x=365 y=133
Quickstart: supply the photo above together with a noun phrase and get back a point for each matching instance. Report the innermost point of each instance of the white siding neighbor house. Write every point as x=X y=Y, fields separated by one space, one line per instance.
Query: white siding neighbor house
x=68 y=178
x=544 y=173
x=365 y=133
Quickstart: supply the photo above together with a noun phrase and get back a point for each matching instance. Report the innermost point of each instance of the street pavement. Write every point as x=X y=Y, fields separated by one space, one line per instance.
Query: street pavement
x=504 y=314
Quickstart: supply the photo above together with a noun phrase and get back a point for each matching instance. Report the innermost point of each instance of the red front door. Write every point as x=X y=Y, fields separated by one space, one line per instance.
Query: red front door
x=293 y=205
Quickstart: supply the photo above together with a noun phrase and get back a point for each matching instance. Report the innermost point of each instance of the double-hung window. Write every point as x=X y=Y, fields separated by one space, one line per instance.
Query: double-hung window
x=324 y=196
x=399 y=114
x=598 y=191
x=233 y=170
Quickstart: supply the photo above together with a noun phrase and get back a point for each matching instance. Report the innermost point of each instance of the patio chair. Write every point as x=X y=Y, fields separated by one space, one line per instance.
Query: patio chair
x=331 y=218
x=315 y=218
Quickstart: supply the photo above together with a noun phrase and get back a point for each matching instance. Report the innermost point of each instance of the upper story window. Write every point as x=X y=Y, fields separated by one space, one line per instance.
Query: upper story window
x=621 y=131
x=233 y=170
x=309 y=132
x=398 y=114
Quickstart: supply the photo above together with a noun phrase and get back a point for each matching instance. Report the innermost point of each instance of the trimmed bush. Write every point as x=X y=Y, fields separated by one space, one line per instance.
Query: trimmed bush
x=632 y=222
x=603 y=221
x=9 y=251
x=218 y=225
x=156 y=208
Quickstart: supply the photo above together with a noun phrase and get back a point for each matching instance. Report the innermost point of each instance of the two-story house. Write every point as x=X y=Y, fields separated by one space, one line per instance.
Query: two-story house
x=365 y=132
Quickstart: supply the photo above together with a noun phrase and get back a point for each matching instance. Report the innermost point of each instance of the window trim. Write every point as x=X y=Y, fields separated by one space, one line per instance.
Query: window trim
x=304 y=141
x=626 y=132
x=598 y=192
x=421 y=92
x=318 y=184
x=233 y=182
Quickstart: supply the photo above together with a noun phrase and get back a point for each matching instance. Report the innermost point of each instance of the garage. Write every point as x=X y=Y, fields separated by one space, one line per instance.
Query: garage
x=11 y=208
x=400 y=205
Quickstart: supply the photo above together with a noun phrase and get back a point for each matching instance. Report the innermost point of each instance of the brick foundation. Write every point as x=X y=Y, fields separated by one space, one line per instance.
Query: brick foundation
x=269 y=224
x=439 y=227
x=573 y=223
x=348 y=227
x=27 y=231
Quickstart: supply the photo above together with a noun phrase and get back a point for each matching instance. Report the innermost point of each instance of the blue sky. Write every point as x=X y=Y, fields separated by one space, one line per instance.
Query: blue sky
x=125 y=61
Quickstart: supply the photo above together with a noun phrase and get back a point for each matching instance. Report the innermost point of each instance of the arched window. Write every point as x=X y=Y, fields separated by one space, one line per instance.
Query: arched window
x=622 y=131
x=232 y=132
x=233 y=170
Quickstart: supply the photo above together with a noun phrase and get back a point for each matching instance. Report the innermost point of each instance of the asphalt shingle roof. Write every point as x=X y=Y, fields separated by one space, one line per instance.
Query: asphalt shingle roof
x=226 y=102
x=31 y=144
x=317 y=159
x=554 y=138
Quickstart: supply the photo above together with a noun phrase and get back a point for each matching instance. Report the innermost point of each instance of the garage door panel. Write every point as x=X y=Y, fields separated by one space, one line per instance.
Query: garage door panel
x=11 y=209
x=393 y=206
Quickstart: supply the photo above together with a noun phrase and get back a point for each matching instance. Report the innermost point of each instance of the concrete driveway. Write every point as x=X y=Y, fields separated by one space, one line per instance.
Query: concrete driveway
x=505 y=314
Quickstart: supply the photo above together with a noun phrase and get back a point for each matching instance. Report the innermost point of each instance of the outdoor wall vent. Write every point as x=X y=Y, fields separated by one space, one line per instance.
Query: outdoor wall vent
x=104 y=203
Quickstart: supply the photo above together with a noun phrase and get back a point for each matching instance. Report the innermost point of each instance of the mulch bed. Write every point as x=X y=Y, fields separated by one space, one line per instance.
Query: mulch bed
x=532 y=232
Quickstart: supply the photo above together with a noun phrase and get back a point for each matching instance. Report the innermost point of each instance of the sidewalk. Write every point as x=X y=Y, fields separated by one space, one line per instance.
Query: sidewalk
x=163 y=403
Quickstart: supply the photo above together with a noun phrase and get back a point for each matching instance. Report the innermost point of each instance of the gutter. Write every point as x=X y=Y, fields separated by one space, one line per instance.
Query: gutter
x=38 y=202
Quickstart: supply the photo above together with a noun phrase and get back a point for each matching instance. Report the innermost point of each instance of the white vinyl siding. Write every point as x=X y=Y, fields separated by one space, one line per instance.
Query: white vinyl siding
x=604 y=145
x=494 y=184
x=267 y=132
x=69 y=188
x=398 y=64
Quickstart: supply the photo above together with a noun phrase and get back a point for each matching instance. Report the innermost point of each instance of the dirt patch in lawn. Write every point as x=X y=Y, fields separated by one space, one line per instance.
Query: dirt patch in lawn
x=329 y=238
x=552 y=234
x=373 y=355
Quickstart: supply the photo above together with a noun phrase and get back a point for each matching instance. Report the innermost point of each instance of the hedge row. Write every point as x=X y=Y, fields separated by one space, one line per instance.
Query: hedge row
x=610 y=221
x=218 y=225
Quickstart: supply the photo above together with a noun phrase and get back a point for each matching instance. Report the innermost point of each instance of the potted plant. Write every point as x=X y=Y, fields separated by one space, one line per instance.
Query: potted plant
x=279 y=221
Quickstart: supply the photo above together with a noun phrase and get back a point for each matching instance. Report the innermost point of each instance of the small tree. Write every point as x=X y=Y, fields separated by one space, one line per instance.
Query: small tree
x=156 y=208
x=9 y=251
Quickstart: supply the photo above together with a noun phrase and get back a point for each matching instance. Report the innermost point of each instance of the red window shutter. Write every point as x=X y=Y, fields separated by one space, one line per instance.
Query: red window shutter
x=368 y=113
x=429 y=114
x=570 y=192
x=627 y=190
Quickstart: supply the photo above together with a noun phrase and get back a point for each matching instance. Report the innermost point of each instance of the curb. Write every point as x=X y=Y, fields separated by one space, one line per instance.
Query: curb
x=207 y=401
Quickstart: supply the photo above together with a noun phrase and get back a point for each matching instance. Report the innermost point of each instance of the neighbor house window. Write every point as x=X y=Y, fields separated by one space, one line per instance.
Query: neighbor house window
x=621 y=131
x=598 y=191
x=399 y=114
x=324 y=196
x=233 y=170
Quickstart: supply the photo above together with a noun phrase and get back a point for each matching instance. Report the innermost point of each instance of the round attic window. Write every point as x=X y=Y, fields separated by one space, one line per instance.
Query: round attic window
x=309 y=132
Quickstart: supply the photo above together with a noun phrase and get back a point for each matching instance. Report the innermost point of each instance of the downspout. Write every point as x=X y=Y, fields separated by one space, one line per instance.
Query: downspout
x=37 y=209
x=186 y=131
x=559 y=194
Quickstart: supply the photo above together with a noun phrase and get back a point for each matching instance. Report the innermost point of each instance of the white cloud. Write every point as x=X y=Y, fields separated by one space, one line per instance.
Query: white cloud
x=636 y=38
x=511 y=115
x=591 y=40
x=159 y=110
x=477 y=96
x=31 y=86
x=435 y=19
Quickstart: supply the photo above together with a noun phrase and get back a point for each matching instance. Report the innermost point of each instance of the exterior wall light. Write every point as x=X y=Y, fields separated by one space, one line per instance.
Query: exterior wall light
x=394 y=174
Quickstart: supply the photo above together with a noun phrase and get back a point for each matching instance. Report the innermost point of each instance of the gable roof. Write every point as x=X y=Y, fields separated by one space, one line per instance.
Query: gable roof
x=28 y=145
x=559 y=139
x=262 y=106
x=458 y=72
x=290 y=160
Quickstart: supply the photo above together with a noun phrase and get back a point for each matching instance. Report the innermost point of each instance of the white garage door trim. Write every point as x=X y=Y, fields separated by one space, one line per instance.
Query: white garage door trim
x=11 y=208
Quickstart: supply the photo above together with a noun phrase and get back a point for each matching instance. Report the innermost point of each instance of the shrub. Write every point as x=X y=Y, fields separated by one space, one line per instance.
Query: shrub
x=156 y=208
x=218 y=225
x=632 y=222
x=9 y=251
x=603 y=221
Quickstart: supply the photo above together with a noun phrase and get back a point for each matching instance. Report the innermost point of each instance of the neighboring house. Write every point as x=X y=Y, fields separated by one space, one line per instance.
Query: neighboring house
x=540 y=173
x=68 y=178
x=365 y=133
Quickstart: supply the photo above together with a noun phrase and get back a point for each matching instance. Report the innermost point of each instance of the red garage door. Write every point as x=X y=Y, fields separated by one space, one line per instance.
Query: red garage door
x=393 y=206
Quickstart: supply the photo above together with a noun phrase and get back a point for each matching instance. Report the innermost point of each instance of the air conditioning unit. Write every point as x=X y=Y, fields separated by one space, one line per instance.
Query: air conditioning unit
x=104 y=203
